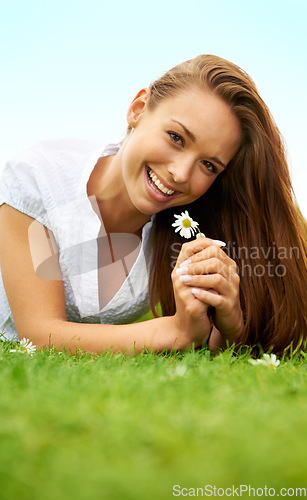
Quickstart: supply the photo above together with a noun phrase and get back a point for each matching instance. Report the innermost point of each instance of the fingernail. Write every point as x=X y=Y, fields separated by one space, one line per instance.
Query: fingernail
x=195 y=291
x=181 y=270
x=185 y=278
x=219 y=243
x=200 y=235
x=185 y=263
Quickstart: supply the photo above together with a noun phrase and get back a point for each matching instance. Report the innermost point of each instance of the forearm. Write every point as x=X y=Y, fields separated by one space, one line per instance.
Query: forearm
x=156 y=334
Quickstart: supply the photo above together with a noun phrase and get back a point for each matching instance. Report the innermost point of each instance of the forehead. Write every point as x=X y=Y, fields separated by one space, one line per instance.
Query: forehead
x=195 y=102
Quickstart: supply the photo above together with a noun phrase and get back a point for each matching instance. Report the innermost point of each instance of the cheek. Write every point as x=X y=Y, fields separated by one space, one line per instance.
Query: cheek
x=201 y=185
x=140 y=149
x=155 y=151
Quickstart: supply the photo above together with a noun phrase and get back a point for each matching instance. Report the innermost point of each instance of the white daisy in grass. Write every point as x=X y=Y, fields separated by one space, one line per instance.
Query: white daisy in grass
x=269 y=360
x=179 y=371
x=186 y=225
x=25 y=347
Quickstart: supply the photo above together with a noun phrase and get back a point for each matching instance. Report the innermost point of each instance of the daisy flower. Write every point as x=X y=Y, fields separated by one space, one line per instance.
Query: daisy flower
x=25 y=347
x=269 y=360
x=186 y=225
x=178 y=372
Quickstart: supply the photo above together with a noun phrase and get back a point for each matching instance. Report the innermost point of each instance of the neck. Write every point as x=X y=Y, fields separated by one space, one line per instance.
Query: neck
x=116 y=210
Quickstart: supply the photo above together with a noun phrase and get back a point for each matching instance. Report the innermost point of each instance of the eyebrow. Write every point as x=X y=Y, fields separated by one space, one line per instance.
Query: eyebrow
x=187 y=131
x=193 y=139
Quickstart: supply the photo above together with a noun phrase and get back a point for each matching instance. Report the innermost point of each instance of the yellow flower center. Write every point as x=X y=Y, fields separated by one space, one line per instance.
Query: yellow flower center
x=186 y=223
x=24 y=349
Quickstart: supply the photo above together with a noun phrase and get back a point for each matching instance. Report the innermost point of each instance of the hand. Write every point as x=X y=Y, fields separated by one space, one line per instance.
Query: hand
x=191 y=318
x=212 y=277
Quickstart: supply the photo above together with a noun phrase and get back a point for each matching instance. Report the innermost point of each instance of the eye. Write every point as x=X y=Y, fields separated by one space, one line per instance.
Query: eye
x=176 y=138
x=212 y=168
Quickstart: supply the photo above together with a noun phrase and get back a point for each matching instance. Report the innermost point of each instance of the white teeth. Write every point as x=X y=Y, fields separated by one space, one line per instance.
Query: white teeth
x=159 y=184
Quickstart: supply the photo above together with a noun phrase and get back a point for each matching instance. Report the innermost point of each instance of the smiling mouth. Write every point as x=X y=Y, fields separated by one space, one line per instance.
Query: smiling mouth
x=157 y=184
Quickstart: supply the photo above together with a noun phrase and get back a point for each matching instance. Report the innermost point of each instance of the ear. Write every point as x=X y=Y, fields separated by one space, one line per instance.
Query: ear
x=137 y=107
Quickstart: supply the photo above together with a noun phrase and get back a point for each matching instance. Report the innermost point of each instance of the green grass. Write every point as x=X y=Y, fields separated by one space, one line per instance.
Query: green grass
x=115 y=427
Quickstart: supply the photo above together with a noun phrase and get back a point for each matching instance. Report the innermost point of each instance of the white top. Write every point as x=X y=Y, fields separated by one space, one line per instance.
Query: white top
x=49 y=183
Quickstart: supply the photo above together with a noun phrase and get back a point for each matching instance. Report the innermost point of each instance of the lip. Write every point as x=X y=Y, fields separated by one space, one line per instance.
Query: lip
x=165 y=184
x=153 y=193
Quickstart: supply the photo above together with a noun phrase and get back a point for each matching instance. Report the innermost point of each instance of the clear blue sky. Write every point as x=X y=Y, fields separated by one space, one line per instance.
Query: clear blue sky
x=70 y=68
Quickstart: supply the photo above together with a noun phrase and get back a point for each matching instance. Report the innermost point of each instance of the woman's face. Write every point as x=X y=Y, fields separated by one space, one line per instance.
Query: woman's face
x=182 y=145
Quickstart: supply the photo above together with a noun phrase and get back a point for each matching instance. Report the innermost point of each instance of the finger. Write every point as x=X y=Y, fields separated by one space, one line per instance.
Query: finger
x=210 y=266
x=181 y=291
x=211 y=252
x=213 y=281
x=187 y=301
x=188 y=250
x=209 y=297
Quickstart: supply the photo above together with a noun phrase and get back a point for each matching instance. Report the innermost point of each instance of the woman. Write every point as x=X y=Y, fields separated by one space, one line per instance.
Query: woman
x=199 y=136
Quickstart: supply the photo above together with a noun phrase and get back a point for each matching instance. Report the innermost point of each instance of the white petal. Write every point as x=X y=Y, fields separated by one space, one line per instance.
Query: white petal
x=186 y=232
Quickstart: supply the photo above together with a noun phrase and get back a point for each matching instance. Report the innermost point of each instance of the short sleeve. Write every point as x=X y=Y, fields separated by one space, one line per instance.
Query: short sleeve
x=21 y=188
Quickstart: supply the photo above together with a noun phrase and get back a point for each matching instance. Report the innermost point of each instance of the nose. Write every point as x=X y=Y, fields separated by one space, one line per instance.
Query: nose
x=181 y=170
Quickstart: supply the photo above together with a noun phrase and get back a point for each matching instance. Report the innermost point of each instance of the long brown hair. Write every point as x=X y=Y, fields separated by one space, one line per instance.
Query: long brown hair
x=250 y=205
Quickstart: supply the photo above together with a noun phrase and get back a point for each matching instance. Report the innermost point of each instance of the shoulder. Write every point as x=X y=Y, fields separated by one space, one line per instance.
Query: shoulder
x=53 y=151
x=47 y=174
x=68 y=145
x=52 y=162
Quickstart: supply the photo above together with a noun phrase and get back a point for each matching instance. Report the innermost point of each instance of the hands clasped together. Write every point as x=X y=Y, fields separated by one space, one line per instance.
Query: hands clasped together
x=205 y=275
